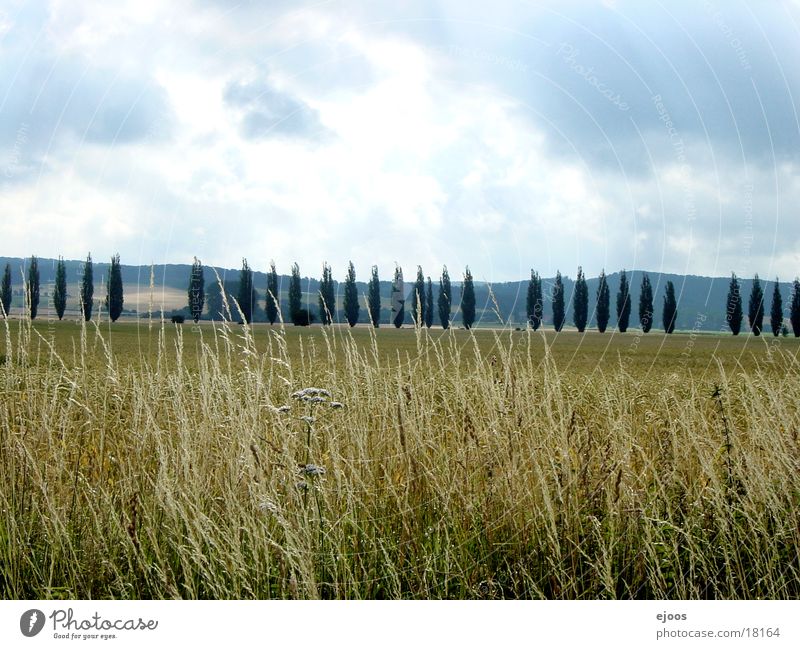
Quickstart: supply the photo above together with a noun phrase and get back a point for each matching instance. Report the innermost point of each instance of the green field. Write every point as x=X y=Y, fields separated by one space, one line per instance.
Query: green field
x=174 y=462
x=136 y=342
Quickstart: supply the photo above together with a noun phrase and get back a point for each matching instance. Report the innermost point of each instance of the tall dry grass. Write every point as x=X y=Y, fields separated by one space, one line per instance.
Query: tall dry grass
x=447 y=474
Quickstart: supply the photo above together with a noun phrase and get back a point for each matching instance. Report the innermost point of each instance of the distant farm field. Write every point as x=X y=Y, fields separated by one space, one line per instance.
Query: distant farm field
x=168 y=461
x=654 y=353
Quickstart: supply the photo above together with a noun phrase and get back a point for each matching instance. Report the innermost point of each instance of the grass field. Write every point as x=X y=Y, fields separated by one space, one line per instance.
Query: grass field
x=165 y=462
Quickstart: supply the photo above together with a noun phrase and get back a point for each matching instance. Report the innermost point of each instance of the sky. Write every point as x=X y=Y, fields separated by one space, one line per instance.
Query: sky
x=506 y=136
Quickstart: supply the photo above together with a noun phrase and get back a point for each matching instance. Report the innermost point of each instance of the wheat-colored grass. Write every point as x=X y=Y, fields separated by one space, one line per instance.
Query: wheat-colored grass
x=450 y=472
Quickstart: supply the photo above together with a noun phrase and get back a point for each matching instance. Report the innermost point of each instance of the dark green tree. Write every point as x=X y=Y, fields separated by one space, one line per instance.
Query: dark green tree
x=580 y=302
x=670 y=314
x=197 y=290
x=114 y=296
x=794 y=314
x=214 y=302
x=6 y=293
x=60 y=289
x=33 y=287
x=733 y=306
x=623 y=303
x=398 y=298
x=87 y=288
x=468 y=300
x=429 y=304
x=246 y=295
x=776 y=312
x=534 y=304
x=646 y=304
x=558 y=303
x=327 y=297
x=445 y=301
x=295 y=295
x=418 y=299
x=374 y=298
x=273 y=294
x=603 y=303
x=755 y=308
x=351 y=306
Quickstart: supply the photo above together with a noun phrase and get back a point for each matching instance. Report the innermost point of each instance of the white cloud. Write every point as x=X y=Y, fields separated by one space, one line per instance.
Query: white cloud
x=412 y=155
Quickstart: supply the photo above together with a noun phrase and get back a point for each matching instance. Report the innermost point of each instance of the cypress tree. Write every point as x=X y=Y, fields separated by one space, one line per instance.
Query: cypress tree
x=197 y=290
x=351 y=306
x=418 y=299
x=776 y=312
x=374 y=298
x=445 y=299
x=114 y=297
x=558 y=302
x=246 y=296
x=468 y=300
x=327 y=299
x=646 y=304
x=534 y=304
x=603 y=303
x=273 y=294
x=33 y=287
x=87 y=288
x=755 y=308
x=670 y=309
x=398 y=298
x=429 y=304
x=295 y=295
x=580 y=302
x=214 y=300
x=5 y=291
x=60 y=290
x=733 y=307
x=794 y=314
x=623 y=303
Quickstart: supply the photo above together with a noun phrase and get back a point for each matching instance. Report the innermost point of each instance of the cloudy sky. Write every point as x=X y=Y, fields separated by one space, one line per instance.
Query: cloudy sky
x=503 y=135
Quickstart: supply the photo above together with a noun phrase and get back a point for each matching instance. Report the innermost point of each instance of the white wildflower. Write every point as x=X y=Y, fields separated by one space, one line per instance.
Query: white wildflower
x=336 y=404
x=280 y=410
x=315 y=395
x=268 y=507
x=312 y=470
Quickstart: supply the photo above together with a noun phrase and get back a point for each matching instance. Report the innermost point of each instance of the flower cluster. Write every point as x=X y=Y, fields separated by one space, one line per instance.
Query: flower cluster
x=312 y=395
x=312 y=470
x=268 y=507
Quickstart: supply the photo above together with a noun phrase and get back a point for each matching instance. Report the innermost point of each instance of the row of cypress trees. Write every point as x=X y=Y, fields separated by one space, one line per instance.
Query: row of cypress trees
x=422 y=305
x=733 y=312
x=580 y=303
x=755 y=308
x=114 y=297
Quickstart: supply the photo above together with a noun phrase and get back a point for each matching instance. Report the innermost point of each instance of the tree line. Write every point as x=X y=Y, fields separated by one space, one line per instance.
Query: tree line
x=114 y=299
x=422 y=310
